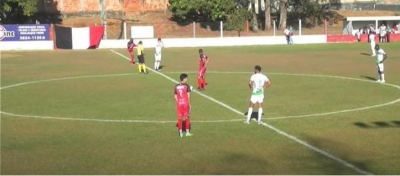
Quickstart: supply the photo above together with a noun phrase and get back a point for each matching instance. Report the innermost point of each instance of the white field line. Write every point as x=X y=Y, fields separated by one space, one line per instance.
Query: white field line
x=205 y=121
x=112 y=121
x=95 y=120
x=343 y=162
x=66 y=78
x=325 y=76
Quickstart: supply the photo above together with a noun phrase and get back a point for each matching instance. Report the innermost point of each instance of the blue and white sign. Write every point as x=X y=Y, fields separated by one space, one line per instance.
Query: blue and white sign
x=25 y=32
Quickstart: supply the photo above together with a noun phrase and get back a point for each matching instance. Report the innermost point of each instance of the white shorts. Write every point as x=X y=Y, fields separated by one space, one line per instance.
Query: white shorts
x=157 y=57
x=257 y=99
x=380 y=67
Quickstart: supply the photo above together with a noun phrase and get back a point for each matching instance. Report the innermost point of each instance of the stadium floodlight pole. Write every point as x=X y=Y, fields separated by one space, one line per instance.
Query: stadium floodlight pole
x=103 y=16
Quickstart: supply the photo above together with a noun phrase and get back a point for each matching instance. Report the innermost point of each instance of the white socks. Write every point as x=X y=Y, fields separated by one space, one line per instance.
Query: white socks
x=373 y=48
x=250 y=111
x=156 y=65
x=381 y=77
x=249 y=114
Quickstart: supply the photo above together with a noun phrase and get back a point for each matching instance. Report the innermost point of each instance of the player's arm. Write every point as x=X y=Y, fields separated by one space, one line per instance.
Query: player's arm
x=251 y=84
x=207 y=60
x=267 y=84
x=188 y=96
x=384 y=57
x=176 y=96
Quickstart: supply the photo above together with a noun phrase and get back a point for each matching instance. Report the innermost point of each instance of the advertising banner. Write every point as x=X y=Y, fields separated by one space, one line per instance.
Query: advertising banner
x=25 y=32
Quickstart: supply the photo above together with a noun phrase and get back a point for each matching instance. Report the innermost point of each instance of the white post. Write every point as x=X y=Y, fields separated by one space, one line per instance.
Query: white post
x=376 y=24
x=299 y=27
x=125 y=30
x=194 y=29
x=274 y=28
x=104 y=18
x=221 y=29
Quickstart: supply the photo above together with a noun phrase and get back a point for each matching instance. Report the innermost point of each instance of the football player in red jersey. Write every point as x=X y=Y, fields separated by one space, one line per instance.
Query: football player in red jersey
x=182 y=98
x=130 y=46
x=201 y=80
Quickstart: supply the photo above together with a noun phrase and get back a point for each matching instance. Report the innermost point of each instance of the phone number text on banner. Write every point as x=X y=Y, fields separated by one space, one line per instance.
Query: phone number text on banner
x=25 y=32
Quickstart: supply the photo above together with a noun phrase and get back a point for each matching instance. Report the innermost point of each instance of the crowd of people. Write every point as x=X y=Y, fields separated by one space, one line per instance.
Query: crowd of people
x=382 y=31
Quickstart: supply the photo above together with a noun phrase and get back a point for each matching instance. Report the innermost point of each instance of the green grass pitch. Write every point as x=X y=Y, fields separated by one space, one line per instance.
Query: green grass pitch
x=90 y=112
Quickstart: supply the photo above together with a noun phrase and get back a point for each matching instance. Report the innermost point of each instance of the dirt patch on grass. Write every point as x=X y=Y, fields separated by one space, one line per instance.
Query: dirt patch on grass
x=166 y=28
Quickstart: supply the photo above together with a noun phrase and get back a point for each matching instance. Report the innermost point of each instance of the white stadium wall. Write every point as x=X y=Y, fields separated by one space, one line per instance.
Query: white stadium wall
x=26 y=45
x=175 y=42
x=225 y=41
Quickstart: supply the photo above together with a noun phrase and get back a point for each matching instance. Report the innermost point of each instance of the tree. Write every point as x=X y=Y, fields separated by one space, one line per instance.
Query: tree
x=237 y=20
x=254 y=19
x=203 y=10
x=267 y=14
x=17 y=11
x=283 y=5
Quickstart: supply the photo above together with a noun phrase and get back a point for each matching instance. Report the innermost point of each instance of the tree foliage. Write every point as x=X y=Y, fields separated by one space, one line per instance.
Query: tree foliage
x=203 y=10
x=237 y=21
x=233 y=12
x=17 y=11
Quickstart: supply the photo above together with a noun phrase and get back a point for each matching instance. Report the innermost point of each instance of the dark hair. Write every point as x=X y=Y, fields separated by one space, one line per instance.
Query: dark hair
x=140 y=42
x=200 y=50
x=159 y=39
x=183 y=76
x=257 y=67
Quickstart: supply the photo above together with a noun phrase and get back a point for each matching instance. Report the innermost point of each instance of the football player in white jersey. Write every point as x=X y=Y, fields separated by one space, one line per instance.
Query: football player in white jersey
x=157 y=54
x=380 y=58
x=258 y=82
x=372 y=33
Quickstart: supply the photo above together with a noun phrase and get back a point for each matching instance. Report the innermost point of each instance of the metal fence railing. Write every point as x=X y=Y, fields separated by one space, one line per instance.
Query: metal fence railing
x=123 y=29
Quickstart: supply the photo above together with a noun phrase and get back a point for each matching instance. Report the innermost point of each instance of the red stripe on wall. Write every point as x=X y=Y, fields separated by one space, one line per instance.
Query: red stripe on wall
x=394 y=37
x=364 y=38
x=96 y=33
x=341 y=39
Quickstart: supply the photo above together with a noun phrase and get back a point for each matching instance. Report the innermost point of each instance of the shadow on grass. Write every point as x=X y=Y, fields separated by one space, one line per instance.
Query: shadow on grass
x=369 y=78
x=361 y=125
x=254 y=115
x=242 y=164
x=375 y=125
x=396 y=123
x=341 y=151
x=365 y=54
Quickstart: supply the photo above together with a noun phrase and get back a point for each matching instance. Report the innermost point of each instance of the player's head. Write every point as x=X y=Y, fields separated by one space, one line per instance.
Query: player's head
x=377 y=47
x=131 y=40
x=200 y=51
x=183 y=77
x=257 y=69
x=159 y=39
x=140 y=43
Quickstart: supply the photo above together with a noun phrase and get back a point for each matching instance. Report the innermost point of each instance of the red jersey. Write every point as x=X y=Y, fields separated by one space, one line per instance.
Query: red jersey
x=202 y=60
x=130 y=46
x=181 y=91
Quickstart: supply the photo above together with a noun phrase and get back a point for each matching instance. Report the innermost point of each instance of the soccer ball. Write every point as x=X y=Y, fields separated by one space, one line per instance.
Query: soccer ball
x=191 y=87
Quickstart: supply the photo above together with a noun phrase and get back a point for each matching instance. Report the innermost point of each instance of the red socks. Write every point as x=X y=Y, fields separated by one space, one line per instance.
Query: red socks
x=180 y=124
x=199 y=83
x=187 y=124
